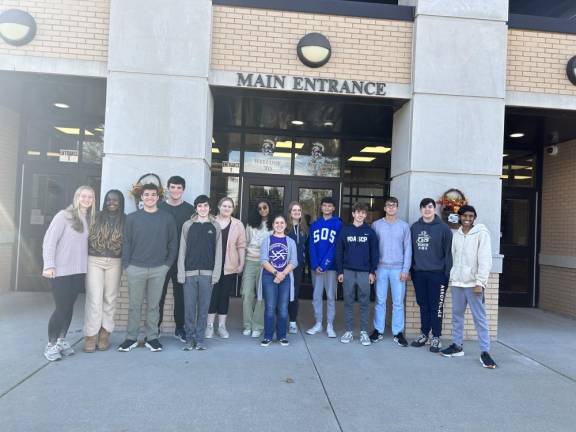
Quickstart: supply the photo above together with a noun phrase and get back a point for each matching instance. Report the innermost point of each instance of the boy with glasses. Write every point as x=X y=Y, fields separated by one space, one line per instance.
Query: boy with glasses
x=395 y=246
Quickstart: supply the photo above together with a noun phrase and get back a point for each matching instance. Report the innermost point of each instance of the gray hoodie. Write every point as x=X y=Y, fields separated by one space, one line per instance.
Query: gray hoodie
x=431 y=246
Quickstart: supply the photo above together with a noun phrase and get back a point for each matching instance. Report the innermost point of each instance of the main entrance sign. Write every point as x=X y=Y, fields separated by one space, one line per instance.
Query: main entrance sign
x=315 y=85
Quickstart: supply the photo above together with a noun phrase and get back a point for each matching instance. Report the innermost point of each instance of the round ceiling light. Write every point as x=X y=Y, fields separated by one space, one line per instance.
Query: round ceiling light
x=516 y=135
x=571 y=70
x=314 y=50
x=17 y=27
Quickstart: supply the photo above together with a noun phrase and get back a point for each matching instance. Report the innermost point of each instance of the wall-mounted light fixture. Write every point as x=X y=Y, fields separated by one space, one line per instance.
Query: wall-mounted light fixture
x=314 y=50
x=571 y=70
x=17 y=27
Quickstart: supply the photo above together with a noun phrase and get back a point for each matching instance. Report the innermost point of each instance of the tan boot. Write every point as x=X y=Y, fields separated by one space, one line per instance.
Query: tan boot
x=89 y=344
x=103 y=342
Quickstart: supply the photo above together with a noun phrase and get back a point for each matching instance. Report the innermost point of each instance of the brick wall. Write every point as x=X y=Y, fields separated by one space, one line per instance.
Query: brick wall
x=9 y=132
x=412 y=311
x=257 y=40
x=537 y=61
x=557 y=286
x=66 y=29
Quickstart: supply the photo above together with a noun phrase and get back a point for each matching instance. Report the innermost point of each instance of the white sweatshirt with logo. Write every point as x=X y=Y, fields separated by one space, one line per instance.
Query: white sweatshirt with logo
x=472 y=257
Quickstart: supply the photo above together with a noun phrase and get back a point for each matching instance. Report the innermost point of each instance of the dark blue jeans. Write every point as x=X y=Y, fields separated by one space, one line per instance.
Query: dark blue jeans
x=276 y=298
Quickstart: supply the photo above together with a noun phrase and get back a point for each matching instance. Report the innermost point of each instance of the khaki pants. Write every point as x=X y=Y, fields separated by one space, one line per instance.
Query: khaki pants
x=253 y=309
x=102 y=285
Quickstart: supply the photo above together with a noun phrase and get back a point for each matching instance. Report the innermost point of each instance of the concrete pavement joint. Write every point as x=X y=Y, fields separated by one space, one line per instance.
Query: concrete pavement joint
x=27 y=377
x=568 y=377
x=321 y=382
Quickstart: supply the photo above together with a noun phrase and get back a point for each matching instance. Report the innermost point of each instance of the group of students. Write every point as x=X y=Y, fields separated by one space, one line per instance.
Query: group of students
x=202 y=255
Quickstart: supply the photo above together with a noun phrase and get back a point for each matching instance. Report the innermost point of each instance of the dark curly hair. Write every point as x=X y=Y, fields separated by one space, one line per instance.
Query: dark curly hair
x=254 y=218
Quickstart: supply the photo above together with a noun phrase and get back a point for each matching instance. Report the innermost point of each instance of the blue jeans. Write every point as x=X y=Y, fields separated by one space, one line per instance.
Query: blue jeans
x=398 y=289
x=276 y=298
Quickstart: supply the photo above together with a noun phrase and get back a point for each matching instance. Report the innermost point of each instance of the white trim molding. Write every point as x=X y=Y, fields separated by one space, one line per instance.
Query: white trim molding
x=540 y=100
x=558 y=261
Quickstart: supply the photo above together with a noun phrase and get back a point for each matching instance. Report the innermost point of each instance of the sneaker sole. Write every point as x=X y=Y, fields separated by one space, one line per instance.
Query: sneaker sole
x=459 y=354
x=346 y=341
x=366 y=344
x=401 y=345
x=284 y=344
x=151 y=348
x=130 y=348
x=52 y=359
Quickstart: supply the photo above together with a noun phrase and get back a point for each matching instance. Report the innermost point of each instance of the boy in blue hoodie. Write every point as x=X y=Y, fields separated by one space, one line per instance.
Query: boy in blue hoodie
x=431 y=264
x=322 y=247
x=357 y=257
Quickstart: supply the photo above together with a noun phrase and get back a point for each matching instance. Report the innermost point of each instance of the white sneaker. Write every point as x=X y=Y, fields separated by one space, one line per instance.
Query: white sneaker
x=364 y=338
x=347 y=337
x=52 y=352
x=330 y=331
x=293 y=328
x=246 y=332
x=256 y=333
x=222 y=332
x=209 y=333
x=64 y=347
x=316 y=329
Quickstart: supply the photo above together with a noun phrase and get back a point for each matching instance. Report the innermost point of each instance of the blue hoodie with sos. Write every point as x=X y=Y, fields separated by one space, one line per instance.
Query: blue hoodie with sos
x=322 y=243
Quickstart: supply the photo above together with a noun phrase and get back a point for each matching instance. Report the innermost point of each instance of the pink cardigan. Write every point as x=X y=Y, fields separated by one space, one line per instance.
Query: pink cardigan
x=235 y=248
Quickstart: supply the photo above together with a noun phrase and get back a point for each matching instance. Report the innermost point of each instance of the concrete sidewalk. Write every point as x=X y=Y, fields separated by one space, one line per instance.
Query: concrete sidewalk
x=315 y=384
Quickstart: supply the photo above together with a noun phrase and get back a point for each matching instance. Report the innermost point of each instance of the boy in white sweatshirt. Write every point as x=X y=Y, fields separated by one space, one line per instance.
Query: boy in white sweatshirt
x=472 y=261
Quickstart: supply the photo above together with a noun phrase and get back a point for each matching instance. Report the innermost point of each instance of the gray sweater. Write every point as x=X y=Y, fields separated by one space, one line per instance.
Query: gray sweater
x=150 y=239
x=394 y=243
x=65 y=249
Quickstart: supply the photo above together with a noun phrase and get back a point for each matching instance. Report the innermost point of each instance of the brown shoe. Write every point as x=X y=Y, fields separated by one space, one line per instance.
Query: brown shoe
x=103 y=342
x=89 y=344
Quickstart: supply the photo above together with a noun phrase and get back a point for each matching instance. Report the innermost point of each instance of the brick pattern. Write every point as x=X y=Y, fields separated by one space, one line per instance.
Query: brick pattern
x=257 y=40
x=66 y=29
x=9 y=136
x=537 y=62
x=412 y=311
x=557 y=289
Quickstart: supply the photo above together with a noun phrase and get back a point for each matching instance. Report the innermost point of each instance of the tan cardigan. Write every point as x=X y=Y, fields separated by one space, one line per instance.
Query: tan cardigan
x=235 y=248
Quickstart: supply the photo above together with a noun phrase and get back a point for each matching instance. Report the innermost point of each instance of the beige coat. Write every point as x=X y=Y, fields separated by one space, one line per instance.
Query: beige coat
x=472 y=257
x=235 y=248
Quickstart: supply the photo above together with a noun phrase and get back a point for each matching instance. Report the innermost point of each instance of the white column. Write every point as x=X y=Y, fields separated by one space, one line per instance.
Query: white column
x=450 y=135
x=158 y=106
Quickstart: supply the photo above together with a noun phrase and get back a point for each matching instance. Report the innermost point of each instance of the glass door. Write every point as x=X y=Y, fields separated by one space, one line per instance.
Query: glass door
x=517 y=244
x=44 y=193
x=275 y=190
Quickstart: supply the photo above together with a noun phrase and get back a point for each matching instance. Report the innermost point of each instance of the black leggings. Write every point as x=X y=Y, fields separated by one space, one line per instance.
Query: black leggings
x=177 y=290
x=293 y=305
x=65 y=290
x=221 y=294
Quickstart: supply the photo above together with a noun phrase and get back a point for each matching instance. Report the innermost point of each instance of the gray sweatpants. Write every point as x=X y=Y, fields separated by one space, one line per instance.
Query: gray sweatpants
x=324 y=281
x=351 y=279
x=197 y=295
x=460 y=298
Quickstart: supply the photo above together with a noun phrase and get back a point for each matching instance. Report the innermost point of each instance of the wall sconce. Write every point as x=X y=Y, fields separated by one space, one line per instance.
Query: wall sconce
x=314 y=50
x=571 y=70
x=17 y=27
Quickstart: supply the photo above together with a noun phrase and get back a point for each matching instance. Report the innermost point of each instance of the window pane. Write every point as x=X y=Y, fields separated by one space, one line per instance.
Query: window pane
x=266 y=154
x=93 y=145
x=226 y=153
x=55 y=141
x=269 y=113
x=224 y=186
x=317 y=157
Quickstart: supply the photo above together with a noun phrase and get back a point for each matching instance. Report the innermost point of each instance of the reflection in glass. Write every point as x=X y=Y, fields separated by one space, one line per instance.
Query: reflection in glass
x=274 y=195
x=518 y=168
x=226 y=153
x=516 y=277
x=56 y=141
x=269 y=113
x=515 y=222
x=317 y=157
x=310 y=199
x=267 y=154
x=225 y=186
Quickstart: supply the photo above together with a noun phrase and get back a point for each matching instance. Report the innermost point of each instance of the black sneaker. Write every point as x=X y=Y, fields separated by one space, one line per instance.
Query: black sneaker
x=435 y=344
x=420 y=341
x=453 y=351
x=400 y=340
x=153 y=345
x=265 y=342
x=376 y=336
x=127 y=345
x=284 y=342
x=487 y=361
x=180 y=334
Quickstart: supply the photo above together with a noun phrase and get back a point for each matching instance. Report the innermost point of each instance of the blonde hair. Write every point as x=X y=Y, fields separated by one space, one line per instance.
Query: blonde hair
x=289 y=224
x=74 y=209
